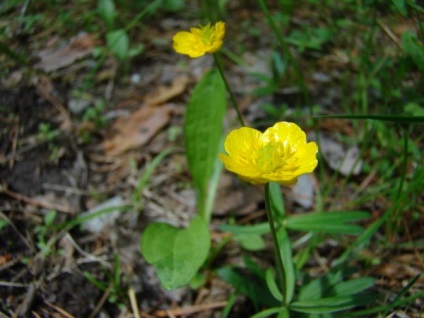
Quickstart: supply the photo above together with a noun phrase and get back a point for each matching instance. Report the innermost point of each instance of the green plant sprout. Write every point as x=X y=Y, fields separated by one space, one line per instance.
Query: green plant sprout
x=48 y=135
x=43 y=230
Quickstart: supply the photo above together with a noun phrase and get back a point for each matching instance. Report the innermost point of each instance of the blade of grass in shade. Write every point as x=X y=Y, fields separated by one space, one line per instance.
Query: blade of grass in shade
x=256 y=291
x=395 y=303
x=81 y=219
x=404 y=290
x=287 y=260
x=13 y=55
x=331 y=222
x=277 y=201
x=147 y=173
x=272 y=284
x=332 y=304
x=392 y=118
x=259 y=229
x=230 y=303
x=276 y=239
x=365 y=237
x=352 y=286
x=267 y=312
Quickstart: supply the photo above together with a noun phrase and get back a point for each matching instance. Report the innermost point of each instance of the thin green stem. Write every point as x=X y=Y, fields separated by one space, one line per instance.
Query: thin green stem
x=233 y=100
x=277 y=250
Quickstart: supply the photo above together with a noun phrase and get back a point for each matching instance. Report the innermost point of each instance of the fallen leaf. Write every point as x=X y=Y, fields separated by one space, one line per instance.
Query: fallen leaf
x=303 y=191
x=104 y=221
x=137 y=129
x=77 y=48
x=240 y=200
x=164 y=93
x=4 y=259
x=331 y=125
x=346 y=161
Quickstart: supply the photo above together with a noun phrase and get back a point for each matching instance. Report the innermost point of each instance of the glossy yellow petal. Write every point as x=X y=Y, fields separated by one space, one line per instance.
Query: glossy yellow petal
x=199 y=41
x=187 y=43
x=240 y=142
x=280 y=154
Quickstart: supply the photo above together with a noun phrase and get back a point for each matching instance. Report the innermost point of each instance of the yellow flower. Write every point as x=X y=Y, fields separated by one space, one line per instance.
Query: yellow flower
x=199 y=41
x=280 y=154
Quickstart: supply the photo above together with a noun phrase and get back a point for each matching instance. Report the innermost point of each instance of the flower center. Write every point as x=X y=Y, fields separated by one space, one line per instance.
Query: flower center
x=272 y=157
x=207 y=34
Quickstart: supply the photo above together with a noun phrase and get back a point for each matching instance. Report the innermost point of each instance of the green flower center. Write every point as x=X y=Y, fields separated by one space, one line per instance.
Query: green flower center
x=273 y=157
x=207 y=34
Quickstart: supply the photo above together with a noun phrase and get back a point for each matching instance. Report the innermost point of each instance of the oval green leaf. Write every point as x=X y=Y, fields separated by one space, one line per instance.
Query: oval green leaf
x=177 y=254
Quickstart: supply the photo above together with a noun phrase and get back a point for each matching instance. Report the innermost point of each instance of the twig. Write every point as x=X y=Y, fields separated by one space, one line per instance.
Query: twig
x=35 y=314
x=111 y=83
x=14 y=144
x=101 y=302
x=30 y=247
x=389 y=33
x=8 y=284
x=133 y=301
x=26 y=305
x=189 y=310
x=363 y=185
x=58 y=187
x=46 y=205
x=84 y=253
x=61 y=311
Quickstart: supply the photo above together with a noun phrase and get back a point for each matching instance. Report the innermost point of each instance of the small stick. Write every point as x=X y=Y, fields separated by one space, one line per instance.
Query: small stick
x=14 y=144
x=46 y=205
x=8 y=284
x=61 y=311
x=133 y=301
x=189 y=310
x=101 y=302
x=389 y=33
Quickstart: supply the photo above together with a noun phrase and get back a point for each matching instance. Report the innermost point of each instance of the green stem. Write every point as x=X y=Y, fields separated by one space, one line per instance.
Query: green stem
x=233 y=100
x=277 y=250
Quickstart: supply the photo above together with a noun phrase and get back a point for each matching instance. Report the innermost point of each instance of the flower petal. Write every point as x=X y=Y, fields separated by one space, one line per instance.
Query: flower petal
x=187 y=43
x=241 y=141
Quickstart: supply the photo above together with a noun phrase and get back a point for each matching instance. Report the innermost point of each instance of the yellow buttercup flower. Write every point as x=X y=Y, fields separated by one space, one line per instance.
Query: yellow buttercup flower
x=280 y=154
x=199 y=41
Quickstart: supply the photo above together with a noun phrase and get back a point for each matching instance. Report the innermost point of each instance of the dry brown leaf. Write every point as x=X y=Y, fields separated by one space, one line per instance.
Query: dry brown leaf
x=243 y=200
x=54 y=59
x=164 y=93
x=137 y=129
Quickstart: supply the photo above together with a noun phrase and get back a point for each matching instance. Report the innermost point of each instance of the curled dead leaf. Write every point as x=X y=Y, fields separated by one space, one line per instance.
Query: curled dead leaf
x=137 y=129
x=164 y=93
x=57 y=58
